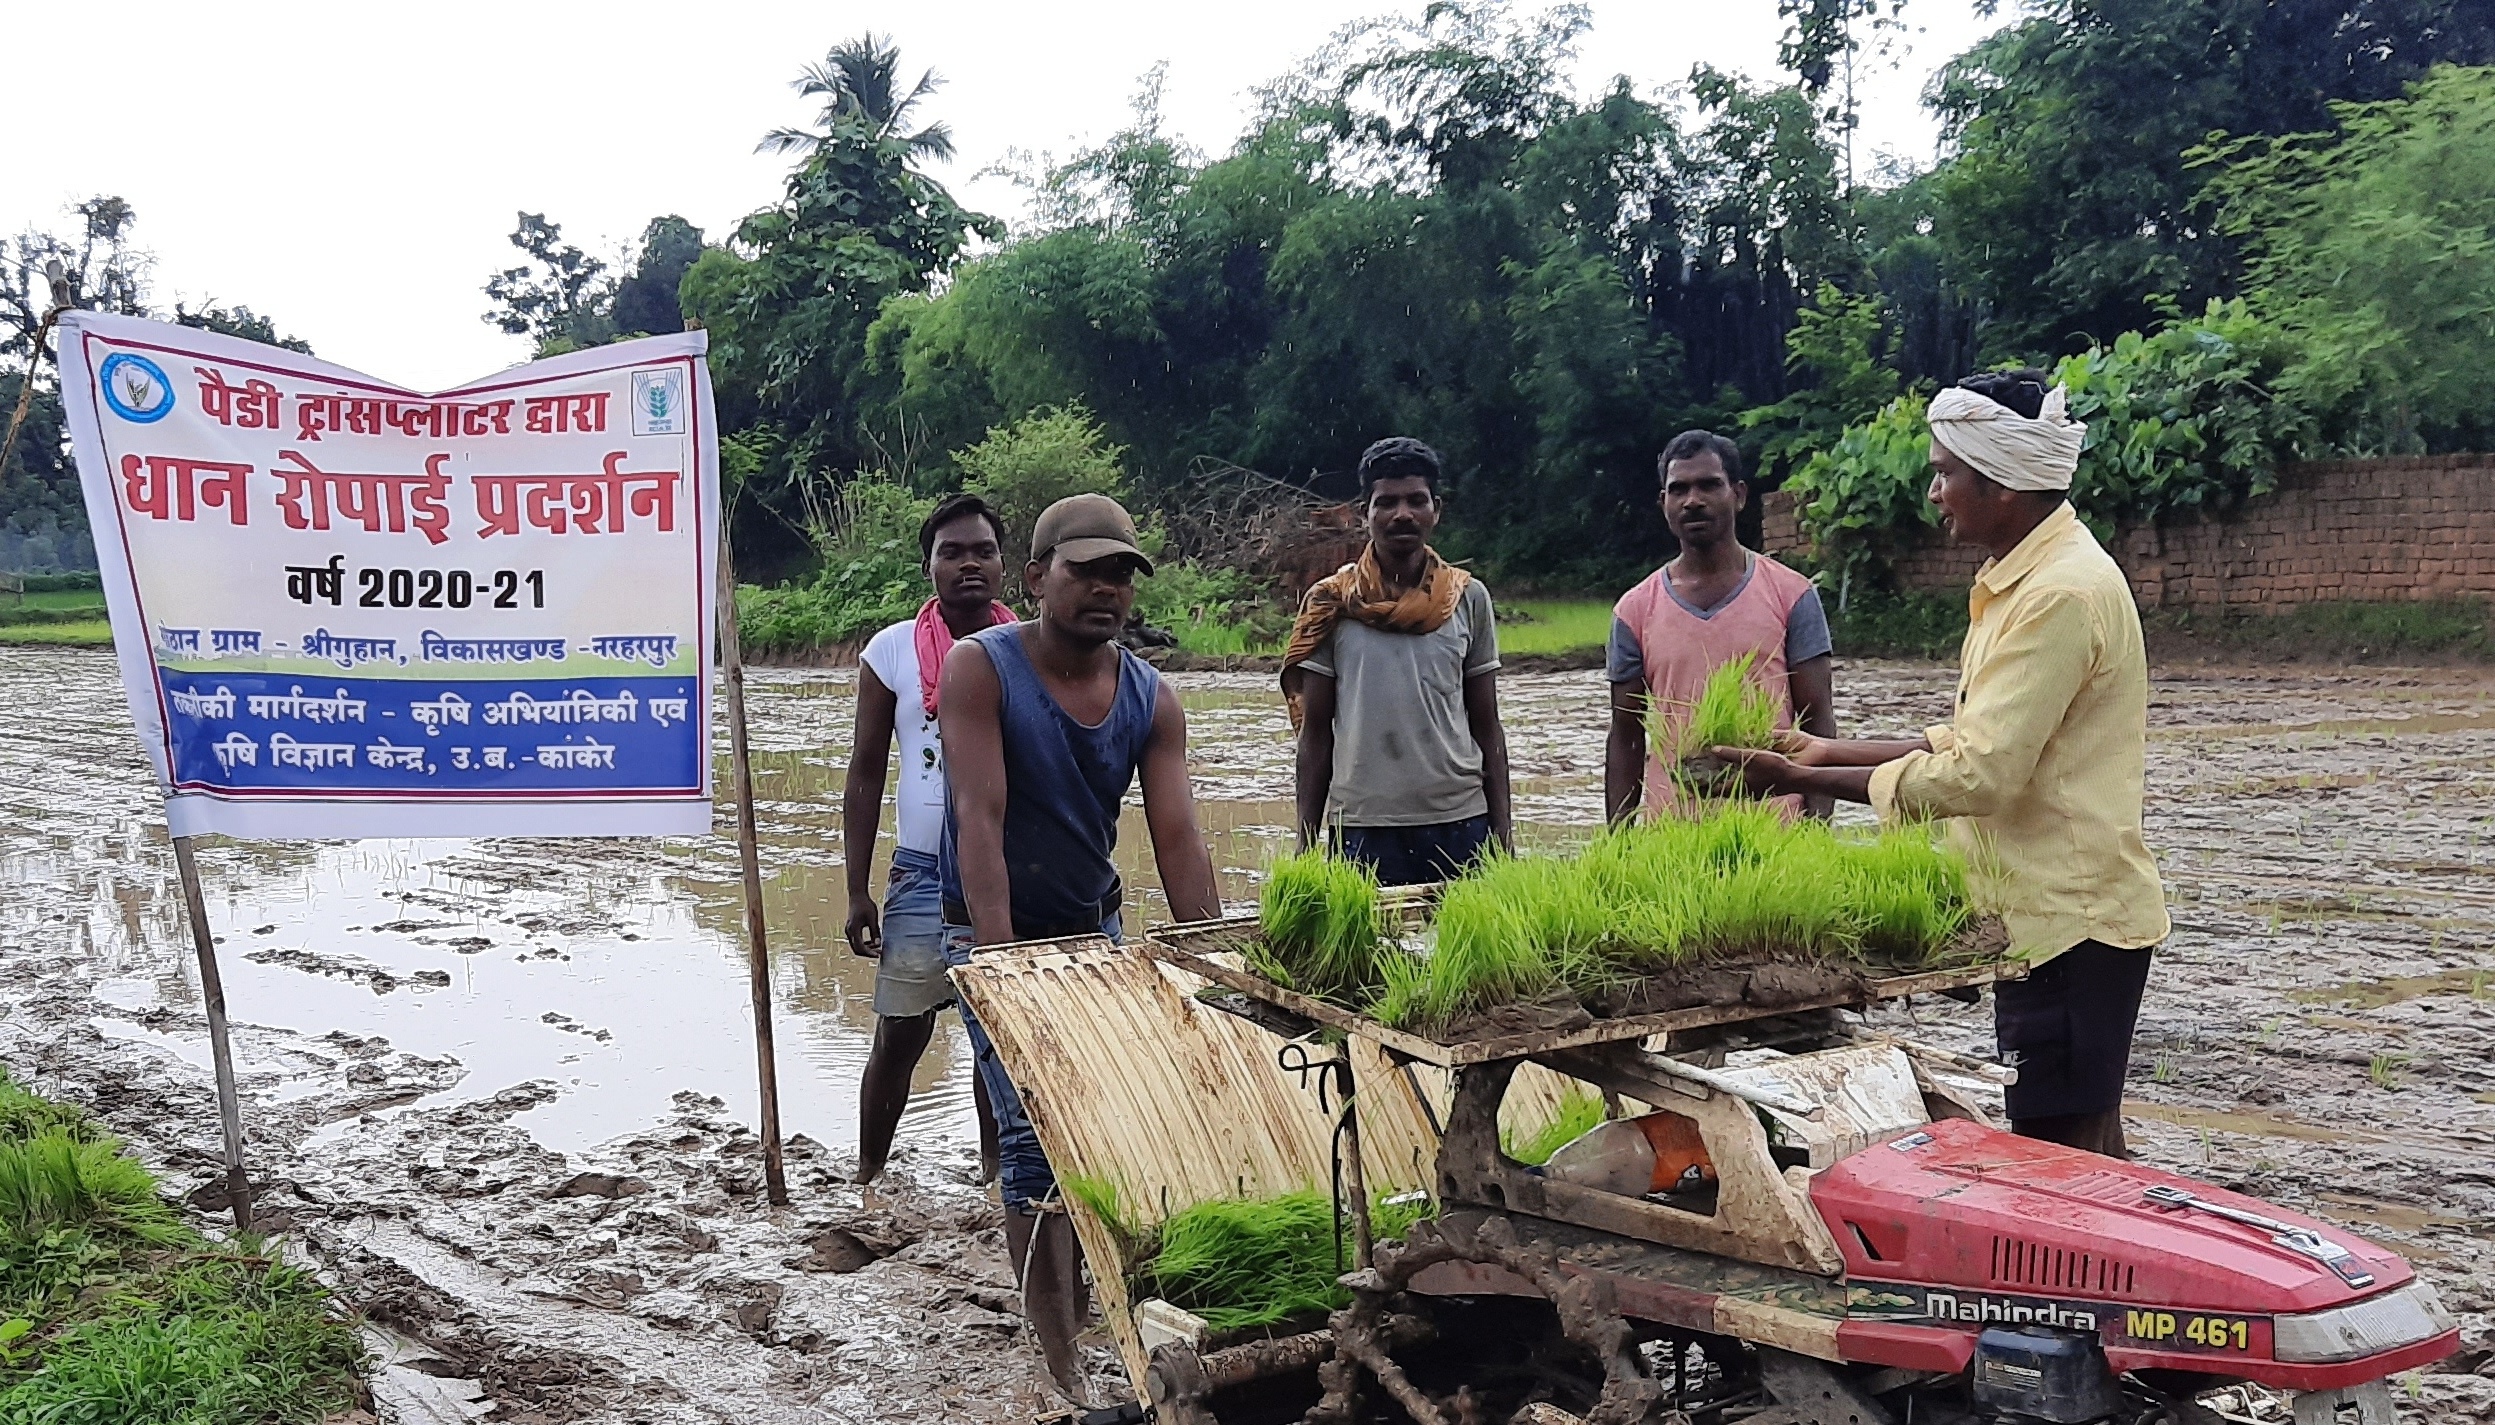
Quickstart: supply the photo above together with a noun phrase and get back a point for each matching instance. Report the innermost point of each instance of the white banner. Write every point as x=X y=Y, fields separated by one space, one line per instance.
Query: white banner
x=346 y=609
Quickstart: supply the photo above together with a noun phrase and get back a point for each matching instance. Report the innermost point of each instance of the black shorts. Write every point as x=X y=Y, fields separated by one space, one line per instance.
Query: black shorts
x=2067 y=1029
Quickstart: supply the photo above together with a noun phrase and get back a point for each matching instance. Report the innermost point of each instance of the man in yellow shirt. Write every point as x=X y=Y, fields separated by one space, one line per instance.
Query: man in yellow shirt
x=2042 y=768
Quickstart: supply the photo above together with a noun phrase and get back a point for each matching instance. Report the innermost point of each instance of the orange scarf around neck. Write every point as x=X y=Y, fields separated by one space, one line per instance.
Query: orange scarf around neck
x=1357 y=591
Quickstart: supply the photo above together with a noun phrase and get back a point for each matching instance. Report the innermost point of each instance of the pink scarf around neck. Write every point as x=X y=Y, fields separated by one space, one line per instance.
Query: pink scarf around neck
x=934 y=639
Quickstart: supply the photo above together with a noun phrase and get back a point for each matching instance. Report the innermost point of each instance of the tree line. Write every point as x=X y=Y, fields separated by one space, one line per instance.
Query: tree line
x=1427 y=229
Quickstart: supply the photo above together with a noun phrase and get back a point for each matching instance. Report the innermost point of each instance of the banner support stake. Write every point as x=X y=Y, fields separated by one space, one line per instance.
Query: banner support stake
x=758 y=960
x=212 y=990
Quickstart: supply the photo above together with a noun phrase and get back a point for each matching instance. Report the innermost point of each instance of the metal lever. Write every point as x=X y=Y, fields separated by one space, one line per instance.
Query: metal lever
x=2301 y=1240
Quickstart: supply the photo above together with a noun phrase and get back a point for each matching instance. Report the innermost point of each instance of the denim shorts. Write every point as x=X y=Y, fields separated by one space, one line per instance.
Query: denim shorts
x=910 y=979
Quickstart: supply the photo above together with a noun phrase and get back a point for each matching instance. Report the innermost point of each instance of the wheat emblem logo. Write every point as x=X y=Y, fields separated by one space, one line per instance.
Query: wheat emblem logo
x=658 y=403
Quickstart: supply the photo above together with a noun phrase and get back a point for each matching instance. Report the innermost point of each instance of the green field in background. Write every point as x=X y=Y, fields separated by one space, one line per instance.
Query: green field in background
x=87 y=633
x=1554 y=625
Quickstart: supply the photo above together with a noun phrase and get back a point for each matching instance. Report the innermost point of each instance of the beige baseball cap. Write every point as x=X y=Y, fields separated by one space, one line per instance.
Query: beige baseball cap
x=1082 y=528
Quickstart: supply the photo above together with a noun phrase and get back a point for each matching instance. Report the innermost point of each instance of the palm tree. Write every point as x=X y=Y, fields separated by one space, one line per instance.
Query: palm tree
x=859 y=79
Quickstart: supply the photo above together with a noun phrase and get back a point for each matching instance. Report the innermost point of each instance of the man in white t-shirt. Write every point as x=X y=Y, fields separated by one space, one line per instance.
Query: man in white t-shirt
x=965 y=560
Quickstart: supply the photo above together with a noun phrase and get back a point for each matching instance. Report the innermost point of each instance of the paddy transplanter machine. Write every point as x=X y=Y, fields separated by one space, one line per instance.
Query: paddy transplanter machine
x=1841 y=1237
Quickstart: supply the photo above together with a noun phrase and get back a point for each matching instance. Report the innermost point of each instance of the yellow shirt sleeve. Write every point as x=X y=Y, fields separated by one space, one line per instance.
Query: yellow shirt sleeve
x=2014 y=700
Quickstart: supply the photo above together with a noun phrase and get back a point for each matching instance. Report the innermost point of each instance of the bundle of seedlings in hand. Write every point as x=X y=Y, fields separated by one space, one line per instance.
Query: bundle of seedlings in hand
x=1733 y=710
x=1241 y=1263
x=1318 y=915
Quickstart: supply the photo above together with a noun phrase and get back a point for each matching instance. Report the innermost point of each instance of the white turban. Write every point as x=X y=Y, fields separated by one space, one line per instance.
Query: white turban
x=2006 y=447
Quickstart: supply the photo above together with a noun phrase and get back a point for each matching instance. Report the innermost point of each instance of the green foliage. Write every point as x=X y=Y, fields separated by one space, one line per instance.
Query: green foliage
x=2069 y=208
x=219 y=1339
x=1833 y=346
x=53 y=1181
x=1579 y=1113
x=1862 y=498
x=789 y=299
x=1213 y=612
x=63 y=583
x=1532 y=627
x=1046 y=455
x=237 y=321
x=97 y=634
x=1427 y=231
x=1875 y=623
x=1321 y=928
x=113 y=1309
x=2184 y=420
x=2187 y=419
x=1247 y=1263
x=1733 y=710
x=2375 y=246
x=1740 y=883
x=870 y=577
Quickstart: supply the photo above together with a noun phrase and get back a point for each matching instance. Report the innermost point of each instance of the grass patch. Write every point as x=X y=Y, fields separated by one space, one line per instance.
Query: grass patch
x=90 y=602
x=84 y=634
x=1579 y=1113
x=1243 y=1263
x=1535 y=627
x=1740 y=883
x=115 y=1309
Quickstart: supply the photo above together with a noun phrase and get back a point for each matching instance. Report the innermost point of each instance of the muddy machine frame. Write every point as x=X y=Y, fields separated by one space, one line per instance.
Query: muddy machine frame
x=1861 y=1245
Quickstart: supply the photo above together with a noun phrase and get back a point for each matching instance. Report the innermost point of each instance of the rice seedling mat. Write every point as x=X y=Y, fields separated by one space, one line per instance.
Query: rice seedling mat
x=1210 y=948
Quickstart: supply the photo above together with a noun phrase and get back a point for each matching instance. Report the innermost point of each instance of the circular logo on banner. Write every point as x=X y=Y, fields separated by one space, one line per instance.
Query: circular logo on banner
x=136 y=388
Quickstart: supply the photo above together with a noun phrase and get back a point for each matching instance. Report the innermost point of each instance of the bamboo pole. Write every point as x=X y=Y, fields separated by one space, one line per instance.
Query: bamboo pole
x=757 y=956
x=212 y=990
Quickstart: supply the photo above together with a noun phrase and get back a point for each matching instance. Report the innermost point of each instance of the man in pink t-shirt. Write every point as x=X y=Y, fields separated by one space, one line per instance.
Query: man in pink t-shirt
x=1713 y=603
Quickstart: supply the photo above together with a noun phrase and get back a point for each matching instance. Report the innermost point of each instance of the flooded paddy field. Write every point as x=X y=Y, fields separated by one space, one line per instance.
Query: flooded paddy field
x=503 y=1091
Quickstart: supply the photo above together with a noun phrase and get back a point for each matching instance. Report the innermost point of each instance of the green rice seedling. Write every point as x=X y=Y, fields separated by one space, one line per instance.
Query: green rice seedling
x=1791 y=902
x=1319 y=918
x=52 y=1181
x=1107 y=1202
x=1579 y=1114
x=1733 y=710
x=1562 y=909
x=1730 y=837
x=1908 y=895
x=1244 y=1263
x=1403 y=989
x=1486 y=953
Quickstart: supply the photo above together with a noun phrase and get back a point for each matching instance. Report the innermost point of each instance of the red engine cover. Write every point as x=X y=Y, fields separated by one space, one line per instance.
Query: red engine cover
x=1960 y=1226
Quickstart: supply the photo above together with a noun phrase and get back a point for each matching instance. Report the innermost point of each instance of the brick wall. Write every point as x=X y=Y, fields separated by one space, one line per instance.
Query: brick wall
x=2375 y=530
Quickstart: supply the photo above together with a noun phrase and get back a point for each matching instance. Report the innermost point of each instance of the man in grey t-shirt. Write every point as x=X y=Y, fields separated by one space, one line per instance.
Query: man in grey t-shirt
x=1392 y=675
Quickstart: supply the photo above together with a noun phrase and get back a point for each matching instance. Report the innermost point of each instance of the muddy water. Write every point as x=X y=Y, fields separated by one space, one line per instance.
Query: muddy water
x=437 y=1036
x=611 y=969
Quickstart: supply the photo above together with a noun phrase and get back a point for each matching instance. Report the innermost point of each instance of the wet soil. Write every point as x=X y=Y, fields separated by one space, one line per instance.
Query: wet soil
x=502 y=1091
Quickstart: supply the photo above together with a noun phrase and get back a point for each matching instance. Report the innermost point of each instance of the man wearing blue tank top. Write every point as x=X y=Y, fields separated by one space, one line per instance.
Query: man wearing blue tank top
x=1046 y=724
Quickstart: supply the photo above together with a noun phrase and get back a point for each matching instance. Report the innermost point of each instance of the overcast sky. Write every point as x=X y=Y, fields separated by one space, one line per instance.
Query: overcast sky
x=353 y=170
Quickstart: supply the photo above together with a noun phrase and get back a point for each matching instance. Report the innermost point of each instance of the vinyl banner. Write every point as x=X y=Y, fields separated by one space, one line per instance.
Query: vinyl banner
x=345 y=609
